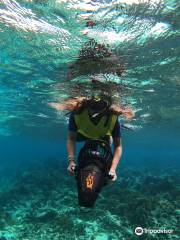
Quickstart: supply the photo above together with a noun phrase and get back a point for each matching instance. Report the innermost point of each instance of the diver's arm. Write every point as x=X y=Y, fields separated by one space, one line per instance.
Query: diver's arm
x=116 y=157
x=71 y=149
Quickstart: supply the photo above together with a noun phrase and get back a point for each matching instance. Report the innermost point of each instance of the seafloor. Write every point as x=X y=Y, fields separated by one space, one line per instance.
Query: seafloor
x=39 y=202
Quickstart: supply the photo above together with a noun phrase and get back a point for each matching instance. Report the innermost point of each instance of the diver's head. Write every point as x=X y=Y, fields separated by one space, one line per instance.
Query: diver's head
x=99 y=103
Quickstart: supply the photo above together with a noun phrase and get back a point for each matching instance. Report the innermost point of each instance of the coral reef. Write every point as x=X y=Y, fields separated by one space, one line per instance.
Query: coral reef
x=39 y=202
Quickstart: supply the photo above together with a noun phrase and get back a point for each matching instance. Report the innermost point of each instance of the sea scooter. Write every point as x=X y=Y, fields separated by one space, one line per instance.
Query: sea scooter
x=94 y=162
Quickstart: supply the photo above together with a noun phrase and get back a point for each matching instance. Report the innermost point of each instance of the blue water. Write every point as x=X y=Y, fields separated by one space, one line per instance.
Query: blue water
x=146 y=147
x=39 y=40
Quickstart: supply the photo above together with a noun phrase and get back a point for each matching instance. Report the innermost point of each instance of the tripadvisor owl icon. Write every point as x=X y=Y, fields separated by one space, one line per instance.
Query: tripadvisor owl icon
x=138 y=231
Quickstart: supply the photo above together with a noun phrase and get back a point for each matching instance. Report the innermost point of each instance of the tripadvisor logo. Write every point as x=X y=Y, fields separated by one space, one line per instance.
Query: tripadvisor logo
x=139 y=231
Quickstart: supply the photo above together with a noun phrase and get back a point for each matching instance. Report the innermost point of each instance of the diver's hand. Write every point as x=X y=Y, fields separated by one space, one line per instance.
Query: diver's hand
x=71 y=167
x=112 y=174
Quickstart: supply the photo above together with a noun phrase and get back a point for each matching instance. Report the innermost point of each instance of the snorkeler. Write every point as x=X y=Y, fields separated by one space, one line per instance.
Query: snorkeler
x=95 y=121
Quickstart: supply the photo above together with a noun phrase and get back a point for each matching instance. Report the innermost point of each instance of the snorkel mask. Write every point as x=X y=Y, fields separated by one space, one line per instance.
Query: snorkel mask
x=99 y=103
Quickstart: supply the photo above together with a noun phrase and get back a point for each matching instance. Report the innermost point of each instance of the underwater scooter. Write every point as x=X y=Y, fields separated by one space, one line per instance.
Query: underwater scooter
x=94 y=162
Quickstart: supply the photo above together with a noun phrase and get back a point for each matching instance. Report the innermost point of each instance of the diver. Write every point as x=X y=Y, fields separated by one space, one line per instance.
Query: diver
x=93 y=120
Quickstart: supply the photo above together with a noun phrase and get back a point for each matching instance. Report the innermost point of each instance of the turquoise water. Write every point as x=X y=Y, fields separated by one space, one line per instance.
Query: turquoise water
x=39 y=41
